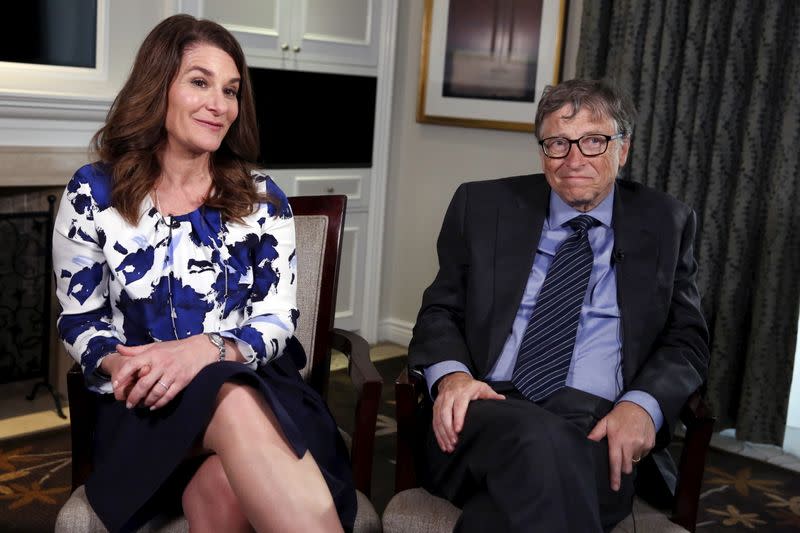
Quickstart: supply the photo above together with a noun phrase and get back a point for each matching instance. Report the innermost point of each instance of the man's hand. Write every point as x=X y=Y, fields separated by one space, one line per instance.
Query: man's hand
x=455 y=391
x=631 y=435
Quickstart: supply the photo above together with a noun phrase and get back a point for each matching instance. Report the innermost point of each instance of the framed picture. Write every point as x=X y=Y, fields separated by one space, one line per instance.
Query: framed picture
x=484 y=63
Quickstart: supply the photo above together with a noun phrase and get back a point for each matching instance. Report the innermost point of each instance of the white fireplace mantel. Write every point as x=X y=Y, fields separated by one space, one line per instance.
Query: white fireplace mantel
x=38 y=119
x=40 y=166
x=53 y=106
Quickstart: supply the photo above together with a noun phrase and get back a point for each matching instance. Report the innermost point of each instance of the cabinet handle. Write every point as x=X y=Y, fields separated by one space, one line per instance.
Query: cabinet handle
x=285 y=46
x=296 y=49
x=330 y=190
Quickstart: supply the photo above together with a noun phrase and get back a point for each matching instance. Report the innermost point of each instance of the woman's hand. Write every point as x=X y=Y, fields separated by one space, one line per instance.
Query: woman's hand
x=111 y=364
x=151 y=375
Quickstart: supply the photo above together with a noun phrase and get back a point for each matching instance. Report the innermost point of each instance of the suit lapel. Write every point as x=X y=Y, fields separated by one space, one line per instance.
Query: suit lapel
x=636 y=259
x=519 y=227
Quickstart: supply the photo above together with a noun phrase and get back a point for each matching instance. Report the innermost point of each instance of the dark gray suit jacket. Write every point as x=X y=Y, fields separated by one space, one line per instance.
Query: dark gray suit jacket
x=486 y=249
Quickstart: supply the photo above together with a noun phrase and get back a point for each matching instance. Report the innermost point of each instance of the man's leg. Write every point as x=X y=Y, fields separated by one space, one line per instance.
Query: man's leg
x=517 y=467
x=585 y=410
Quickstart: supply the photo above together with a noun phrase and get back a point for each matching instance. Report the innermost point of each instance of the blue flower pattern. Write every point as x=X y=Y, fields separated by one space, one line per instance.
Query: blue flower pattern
x=114 y=280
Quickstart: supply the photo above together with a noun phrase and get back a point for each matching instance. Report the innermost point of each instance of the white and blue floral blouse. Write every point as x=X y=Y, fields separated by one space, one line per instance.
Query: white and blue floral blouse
x=165 y=278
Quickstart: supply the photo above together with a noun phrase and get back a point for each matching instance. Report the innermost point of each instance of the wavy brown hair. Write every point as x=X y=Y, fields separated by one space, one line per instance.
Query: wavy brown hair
x=134 y=134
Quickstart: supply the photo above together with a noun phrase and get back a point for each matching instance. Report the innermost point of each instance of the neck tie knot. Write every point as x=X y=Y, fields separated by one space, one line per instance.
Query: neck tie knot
x=582 y=223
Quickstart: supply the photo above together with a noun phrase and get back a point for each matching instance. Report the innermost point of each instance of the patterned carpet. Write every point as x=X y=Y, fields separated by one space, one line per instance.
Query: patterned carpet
x=34 y=481
x=739 y=494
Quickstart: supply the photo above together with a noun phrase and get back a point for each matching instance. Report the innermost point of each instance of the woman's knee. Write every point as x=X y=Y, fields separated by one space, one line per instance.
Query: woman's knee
x=241 y=413
x=209 y=502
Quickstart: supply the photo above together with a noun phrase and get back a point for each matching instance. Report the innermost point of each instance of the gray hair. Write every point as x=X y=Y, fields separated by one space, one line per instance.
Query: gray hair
x=602 y=98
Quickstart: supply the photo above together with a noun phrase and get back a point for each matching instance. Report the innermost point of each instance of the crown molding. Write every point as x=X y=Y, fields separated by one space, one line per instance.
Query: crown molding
x=53 y=106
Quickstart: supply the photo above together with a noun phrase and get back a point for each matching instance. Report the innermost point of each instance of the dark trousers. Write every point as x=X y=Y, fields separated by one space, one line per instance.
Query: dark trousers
x=520 y=466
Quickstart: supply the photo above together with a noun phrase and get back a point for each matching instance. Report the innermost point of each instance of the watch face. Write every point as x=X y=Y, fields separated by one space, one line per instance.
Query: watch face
x=216 y=339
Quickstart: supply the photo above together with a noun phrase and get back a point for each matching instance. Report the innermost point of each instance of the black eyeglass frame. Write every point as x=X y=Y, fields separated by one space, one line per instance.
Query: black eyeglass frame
x=577 y=142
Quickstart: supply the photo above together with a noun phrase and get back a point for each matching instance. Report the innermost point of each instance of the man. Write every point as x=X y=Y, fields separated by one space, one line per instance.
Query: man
x=563 y=331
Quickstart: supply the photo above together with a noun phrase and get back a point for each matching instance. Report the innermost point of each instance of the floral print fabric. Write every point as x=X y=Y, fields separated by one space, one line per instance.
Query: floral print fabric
x=171 y=277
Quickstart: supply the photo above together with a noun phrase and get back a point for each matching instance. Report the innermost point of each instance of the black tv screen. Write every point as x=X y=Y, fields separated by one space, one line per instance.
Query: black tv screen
x=49 y=32
x=314 y=120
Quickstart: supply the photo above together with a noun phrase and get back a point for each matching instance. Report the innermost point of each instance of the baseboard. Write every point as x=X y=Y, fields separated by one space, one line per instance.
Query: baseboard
x=395 y=330
x=791 y=440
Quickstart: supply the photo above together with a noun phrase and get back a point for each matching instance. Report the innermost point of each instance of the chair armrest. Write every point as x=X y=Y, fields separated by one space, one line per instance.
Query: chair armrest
x=81 y=421
x=368 y=384
x=409 y=390
x=699 y=421
x=405 y=404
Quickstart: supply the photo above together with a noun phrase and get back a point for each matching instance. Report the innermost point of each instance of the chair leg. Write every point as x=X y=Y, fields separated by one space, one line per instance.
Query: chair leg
x=692 y=466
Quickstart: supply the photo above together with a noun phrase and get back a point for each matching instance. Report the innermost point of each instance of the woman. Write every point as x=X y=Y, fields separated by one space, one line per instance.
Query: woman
x=175 y=270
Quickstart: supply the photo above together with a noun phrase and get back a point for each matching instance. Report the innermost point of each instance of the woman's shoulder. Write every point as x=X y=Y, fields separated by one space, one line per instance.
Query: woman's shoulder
x=91 y=184
x=278 y=206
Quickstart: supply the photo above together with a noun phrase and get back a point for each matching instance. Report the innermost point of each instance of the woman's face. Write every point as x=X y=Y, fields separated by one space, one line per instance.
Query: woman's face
x=201 y=104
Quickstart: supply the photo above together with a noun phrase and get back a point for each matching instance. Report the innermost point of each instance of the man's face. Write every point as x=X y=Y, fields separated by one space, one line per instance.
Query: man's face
x=582 y=182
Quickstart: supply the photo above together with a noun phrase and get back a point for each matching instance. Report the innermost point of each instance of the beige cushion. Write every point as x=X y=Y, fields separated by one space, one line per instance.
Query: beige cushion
x=367 y=519
x=648 y=520
x=310 y=232
x=418 y=511
x=78 y=516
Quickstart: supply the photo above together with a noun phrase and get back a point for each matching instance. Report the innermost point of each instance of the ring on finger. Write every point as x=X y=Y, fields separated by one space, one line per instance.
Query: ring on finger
x=166 y=387
x=636 y=459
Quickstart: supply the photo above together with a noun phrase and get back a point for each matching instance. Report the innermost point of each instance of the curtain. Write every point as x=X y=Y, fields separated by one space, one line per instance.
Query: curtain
x=717 y=88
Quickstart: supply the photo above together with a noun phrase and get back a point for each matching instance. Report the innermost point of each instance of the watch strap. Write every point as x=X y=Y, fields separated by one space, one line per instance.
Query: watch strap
x=217 y=340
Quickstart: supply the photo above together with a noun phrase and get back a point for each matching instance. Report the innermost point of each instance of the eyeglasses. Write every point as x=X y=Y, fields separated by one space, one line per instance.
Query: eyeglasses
x=590 y=145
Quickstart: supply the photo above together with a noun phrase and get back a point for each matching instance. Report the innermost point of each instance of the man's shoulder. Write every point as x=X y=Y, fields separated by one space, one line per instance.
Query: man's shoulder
x=511 y=182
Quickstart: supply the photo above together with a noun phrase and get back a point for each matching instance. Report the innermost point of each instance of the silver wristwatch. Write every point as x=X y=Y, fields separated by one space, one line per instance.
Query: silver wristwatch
x=217 y=340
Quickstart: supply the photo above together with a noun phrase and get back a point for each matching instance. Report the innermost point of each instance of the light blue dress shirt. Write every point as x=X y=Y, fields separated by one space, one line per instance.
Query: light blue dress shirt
x=596 y=365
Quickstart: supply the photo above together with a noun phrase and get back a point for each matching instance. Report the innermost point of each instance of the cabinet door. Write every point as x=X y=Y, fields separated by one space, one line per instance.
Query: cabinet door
x=350 y=296
x=336 y=31
x=262 y=27
x=284 y=179
x=352 y=182
x=355 y=184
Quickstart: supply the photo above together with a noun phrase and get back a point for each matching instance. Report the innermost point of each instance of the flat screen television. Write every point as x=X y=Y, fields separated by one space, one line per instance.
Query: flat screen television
x=50 y=32
x=314 y=120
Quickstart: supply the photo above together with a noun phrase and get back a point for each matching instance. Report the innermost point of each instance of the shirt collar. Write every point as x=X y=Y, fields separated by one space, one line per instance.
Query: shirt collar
x=560 y=212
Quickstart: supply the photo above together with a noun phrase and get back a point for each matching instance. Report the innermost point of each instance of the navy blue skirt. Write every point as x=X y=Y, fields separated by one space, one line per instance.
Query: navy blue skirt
x=142 y=458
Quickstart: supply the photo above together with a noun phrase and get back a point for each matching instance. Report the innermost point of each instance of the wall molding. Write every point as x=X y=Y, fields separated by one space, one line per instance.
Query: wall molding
x=46 y=120
x=791 y=440
x=380 y=172
x=395 y=330
x=41 y=105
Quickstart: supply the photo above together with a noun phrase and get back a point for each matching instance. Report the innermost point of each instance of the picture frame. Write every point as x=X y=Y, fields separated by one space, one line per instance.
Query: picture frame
x=484 y=63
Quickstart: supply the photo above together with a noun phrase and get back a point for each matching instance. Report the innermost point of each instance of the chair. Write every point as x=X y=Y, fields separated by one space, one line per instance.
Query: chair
x=319 y=224
x=413 y=509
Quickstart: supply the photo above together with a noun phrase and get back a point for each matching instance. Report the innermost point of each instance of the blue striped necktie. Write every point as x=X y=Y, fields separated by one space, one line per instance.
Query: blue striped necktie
x=549 y=339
